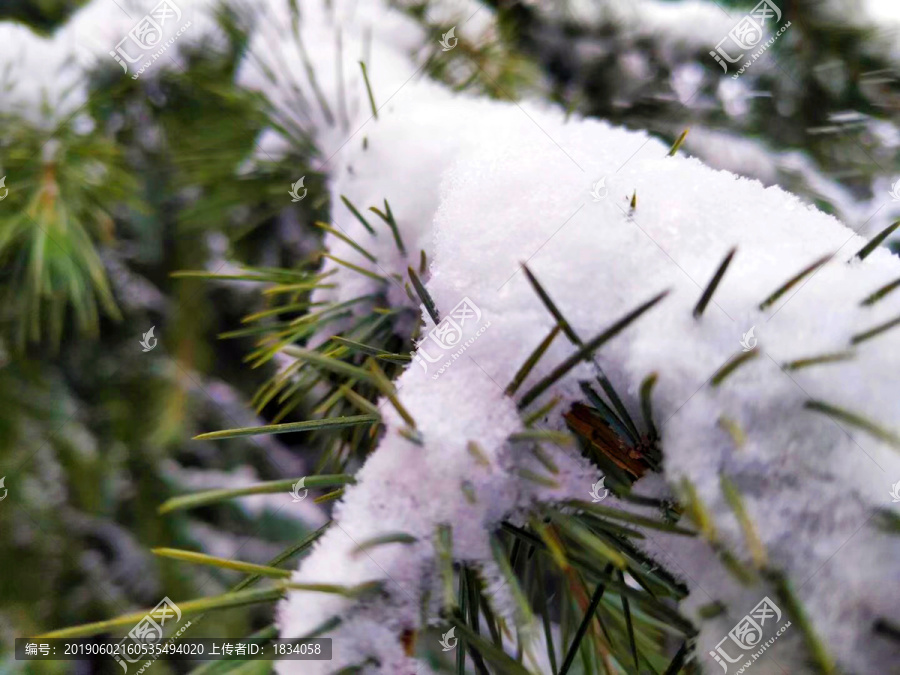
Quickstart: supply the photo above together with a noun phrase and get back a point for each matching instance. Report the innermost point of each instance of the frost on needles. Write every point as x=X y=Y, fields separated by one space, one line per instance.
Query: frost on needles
x=799 y=419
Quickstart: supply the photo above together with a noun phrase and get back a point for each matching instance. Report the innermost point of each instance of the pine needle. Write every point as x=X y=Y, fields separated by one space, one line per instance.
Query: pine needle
x=388 y=218
x=562 y=438
x=734 y=430
x=751 y=536
x=223 y=563
x=476 y=452
x=713 y=284
x=634 y=518
x=880 y=293
x=531 y=361
x=344 y=237
x=424 y=296
x=820 y=656
x=874 y=332
x=794 y=280
x=383 y=540
x=359 y=216
x=855 y=420
x=191 y=501
x=285 y=555
x=334 y=365
x=224 y=601
x=679 y=660
x=355 y=346
x=646 y=394
x=329 y=496
x=443 y=545
x=503 y=661
x=551 y=306
x=583 y=627
x=835 y=357
x=524 y=616
x=362 y=65
x=356 y=268
x=388 y=390
x=290 y=427
x=678 y=143
x=733 y=364
x=352 y=592
x=587 y=350
x=626 y=610
x=864 y=252
x=544 y=410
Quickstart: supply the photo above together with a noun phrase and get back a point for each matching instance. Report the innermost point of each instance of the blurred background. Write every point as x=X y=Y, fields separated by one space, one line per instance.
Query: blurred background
x=164 y=174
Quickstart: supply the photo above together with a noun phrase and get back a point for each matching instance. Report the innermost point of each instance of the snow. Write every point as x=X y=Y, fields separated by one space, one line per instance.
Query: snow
x=482 y=186
x=54 y=70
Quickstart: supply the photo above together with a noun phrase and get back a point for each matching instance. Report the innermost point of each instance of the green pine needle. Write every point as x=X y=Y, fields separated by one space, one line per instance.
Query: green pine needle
x=351 y=592
x=424 y=296
x=794 y=280
x=531 y=361
x=733 y=364
x=365 y=74
x=855 y=420
x=678 y=143
x=646 y=394
x=820 y=656
x=713 y=284
x=359 y=216
x=344 y=237
x=388 y=218
x=880 y=293
x=223 y=563
x=835 y=357
x=290 y=427
x=383 y=540
x=356 y=268
x=191 y=501
x=583 y=627
x=587 y=350
x=874 y=332
x=224 y=601
x=551 y=306
x=876 y=241
x=443 y=546
x=751 y=536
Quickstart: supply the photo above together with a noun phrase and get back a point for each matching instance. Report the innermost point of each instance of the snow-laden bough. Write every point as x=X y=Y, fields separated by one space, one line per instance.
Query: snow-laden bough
x=769 y=327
